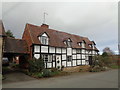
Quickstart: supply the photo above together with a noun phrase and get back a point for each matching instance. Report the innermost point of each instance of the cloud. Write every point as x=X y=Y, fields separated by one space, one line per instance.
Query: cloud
x=97 y=21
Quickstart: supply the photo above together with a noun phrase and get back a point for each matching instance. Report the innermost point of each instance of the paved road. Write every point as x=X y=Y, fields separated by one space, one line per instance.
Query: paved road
x=108 y=79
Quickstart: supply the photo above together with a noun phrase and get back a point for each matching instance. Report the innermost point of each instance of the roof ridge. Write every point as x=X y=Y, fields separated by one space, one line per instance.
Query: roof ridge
x=56 y=30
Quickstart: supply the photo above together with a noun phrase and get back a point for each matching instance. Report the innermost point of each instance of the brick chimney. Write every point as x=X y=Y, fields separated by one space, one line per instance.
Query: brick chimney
x=45 y=26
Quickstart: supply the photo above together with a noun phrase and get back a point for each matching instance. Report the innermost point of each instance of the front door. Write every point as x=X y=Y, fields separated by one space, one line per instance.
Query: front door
x=90 y=60
x=58 y=61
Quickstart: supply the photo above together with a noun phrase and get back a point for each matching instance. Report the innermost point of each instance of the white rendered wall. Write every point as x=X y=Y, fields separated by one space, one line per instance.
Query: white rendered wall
x=58 y=50
x=36 y=48
x=78 y=62
x=37 y=56
x=83 y=62
x=63 y=57
x=64 y=63
x=73 y=56
x=83 y=56
x=74 y=51
x=44 y=49
x=83 y=51
x=63 y=50
x=51 y=49
x=69 y=63
x=69 y=51
x=53 y=64
x=74 y=62
x=78 y=56
x=49 y=65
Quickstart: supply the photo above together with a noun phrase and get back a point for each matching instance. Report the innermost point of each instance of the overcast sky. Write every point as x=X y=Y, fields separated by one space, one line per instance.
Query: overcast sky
x=97 y=21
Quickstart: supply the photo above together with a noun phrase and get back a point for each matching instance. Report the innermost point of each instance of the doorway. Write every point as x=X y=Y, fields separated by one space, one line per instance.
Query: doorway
x=90 y=60
x=58 y=61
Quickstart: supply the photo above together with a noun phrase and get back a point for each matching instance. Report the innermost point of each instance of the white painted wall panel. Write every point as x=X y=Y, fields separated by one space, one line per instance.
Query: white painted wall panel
x=90 y=52
x=36 y=48
x=58 y=50
x=44 y=49
x=78 y=62
x=37 y=56
x=63 y=57
x=64 y=63
x=83 y=51
x=63 y=50
x=53 y=64
x=83 y=62
x=51 y=49
x=74 y=62
x=68 y=63
x=49 y=65
x=83 y=56
x=74 y=56
x=87 y=52
x=78 y=56
x=74 y=51
x=45 y=65
x=69 y=51
x=45 y=35
x=86 y=58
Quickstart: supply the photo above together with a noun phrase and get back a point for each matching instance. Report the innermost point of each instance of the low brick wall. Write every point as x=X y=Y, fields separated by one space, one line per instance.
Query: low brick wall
x=76 y=68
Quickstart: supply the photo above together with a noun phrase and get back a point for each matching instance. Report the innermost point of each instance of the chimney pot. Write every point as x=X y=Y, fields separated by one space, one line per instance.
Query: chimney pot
x=45 y=26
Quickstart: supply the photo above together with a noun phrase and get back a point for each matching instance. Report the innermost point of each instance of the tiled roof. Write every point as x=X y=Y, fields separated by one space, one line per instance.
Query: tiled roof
x=15 y=46
x=56 y=37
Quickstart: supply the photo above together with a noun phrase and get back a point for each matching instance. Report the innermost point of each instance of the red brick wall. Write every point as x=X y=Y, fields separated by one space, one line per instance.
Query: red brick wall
x=26 y=36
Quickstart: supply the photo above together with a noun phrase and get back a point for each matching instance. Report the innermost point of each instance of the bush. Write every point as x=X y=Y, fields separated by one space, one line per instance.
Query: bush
x=5 y=70
x=54 y=69
x=36 y=65
x=37 y=75
x=46 y=73
x=14 y=65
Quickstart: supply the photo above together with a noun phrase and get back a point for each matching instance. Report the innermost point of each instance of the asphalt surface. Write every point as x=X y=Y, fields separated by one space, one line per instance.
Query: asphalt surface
x=107 y=79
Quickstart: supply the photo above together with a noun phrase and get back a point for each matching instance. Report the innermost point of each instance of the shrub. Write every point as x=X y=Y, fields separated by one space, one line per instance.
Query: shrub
x=62 y=67
x=5 y=70
x=36 y=65
x=37 y=75
x=54 y=69
x=46 y=73
x=55 y=73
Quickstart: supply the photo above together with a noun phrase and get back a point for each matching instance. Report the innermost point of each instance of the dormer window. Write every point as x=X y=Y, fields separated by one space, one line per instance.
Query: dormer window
x=82 y=44
x=44 y=39
x=68 y=42
x=90 y=45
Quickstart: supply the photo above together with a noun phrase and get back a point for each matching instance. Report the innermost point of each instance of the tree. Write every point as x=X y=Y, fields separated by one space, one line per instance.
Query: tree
x=10 y=34
x=108 y=51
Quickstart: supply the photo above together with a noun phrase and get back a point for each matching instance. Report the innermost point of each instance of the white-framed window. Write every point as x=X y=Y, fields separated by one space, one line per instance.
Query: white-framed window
x=47 y=58
x=90 y=45
x=68 y=42
x=44 y=39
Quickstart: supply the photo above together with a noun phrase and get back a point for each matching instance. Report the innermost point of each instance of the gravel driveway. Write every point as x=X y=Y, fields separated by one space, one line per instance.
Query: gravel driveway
x=107 y=79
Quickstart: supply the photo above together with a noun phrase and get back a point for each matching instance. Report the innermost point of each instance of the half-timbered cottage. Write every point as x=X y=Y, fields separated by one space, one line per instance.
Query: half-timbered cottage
x=58 y=48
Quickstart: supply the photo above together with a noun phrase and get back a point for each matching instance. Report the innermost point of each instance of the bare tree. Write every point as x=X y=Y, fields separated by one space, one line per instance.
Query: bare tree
x=108 y=51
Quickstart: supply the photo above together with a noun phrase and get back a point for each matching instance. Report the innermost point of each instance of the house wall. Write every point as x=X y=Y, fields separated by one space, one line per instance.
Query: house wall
x=79 y=56
x=1 y=42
